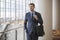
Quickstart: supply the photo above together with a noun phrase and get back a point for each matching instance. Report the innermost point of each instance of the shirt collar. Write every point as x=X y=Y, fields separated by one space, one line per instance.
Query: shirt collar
x=32 y=12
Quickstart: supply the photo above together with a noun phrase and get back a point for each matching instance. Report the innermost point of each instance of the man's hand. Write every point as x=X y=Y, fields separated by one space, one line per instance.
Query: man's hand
x=26 y=31
x=36 y=17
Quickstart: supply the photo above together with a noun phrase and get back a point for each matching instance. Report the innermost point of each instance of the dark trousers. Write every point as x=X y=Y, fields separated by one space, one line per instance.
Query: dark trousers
x=32 y=36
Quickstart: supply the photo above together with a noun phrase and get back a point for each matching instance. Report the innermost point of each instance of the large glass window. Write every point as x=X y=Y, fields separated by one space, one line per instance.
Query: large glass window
x=14 y=9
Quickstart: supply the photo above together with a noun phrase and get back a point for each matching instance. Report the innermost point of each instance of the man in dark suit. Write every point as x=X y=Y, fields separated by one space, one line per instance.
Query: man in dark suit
x=32 y=19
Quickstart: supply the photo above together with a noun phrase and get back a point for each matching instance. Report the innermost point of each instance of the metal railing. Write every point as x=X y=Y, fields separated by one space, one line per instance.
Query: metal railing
x=4 y=30
x=14 y=34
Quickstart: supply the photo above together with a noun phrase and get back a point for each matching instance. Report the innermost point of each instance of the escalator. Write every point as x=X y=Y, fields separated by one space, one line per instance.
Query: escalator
x=3 y=27
x=13 y=32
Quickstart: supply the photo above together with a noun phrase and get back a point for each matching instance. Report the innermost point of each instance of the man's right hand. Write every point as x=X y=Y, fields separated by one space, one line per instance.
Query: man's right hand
x=26 y=31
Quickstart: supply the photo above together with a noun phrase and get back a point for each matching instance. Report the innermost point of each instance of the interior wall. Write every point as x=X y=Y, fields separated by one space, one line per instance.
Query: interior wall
x=59 y=14
x=45 y=8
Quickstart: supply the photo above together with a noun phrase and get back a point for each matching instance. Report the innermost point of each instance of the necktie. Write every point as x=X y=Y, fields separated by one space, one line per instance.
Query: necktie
x=32 y=15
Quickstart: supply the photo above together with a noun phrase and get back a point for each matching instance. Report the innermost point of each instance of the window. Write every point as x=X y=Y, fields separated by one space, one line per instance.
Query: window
x=14 y=9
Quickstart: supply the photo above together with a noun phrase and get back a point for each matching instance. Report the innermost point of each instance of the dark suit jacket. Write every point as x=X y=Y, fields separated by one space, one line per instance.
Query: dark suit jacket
x=32 y=22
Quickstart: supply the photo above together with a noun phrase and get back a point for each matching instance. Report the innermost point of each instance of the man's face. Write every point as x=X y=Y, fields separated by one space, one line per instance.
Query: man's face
x=31 y=7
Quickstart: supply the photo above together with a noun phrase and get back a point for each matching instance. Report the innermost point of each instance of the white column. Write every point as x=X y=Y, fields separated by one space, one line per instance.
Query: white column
x=56 y=14
x=45 y=8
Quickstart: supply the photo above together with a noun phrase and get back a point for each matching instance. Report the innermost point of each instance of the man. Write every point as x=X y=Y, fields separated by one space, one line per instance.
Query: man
x=32 y=18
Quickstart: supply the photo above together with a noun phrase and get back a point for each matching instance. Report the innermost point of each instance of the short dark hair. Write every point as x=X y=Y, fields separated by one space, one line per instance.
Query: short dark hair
x=32 y=4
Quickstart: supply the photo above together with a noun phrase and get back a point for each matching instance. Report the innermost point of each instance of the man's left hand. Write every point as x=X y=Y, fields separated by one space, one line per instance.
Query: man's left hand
x=36 y=17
